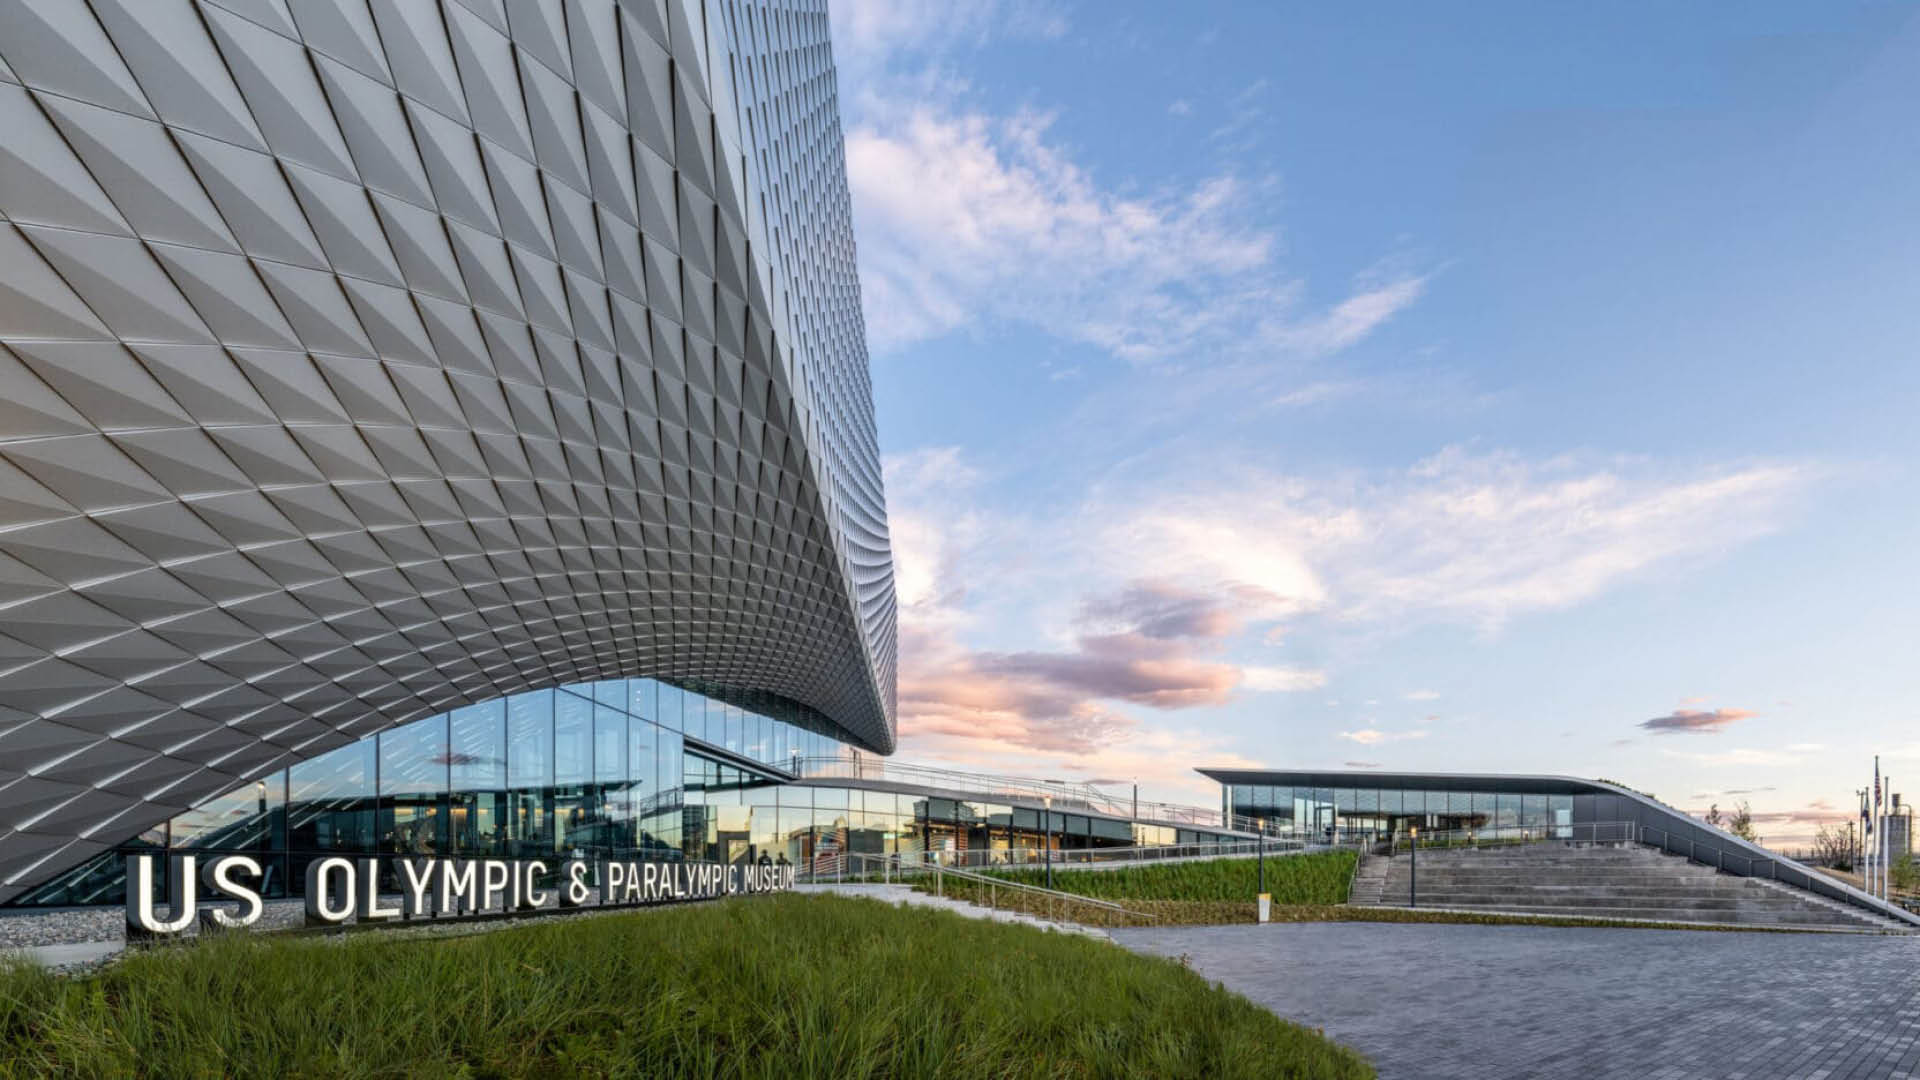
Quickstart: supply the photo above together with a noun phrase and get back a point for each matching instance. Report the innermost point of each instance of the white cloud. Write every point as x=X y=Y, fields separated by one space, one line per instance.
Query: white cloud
x=1354 y=318
x=1315 y=393
x=1040 y=630
x=1282 y=679
x=969 y=218
x=1374 y=736
x=1458 y=536
x=966 y=220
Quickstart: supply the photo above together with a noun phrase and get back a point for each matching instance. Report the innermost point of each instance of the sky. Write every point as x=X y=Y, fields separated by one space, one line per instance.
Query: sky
x=1486 y=388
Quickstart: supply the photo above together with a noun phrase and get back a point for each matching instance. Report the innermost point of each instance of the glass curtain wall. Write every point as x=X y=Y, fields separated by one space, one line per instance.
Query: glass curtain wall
x=604 y=768
x=1322 y=814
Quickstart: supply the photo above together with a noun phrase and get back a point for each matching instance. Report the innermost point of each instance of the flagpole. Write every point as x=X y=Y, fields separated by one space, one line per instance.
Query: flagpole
x=1879 y=832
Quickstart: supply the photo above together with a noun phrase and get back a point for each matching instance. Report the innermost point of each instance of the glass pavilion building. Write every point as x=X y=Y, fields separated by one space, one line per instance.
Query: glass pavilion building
x=1343 y=806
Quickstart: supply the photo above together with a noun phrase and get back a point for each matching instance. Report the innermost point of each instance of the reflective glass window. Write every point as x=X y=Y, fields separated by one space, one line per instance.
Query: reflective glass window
x=241 y=820
x=477 y=746
x=665 y=821
x=413 y=786
x=765 y=843
x=669 y=701
x=530 y=739
x=643 y=698
x=795 y=829
x=572 y=740
x=693 y=715
x=1484 y=803
x=529 y=812
x=735 y=720
x=759 y=736
x=642 y=760
x=609 y=745
x=330 y=801
x=614 y=804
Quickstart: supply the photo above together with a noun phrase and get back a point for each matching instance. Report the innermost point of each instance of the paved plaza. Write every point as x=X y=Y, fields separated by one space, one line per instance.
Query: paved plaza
x=1434 y=1002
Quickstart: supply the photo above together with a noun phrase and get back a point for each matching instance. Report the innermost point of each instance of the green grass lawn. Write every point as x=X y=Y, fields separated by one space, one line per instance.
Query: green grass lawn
x=1320 y=878
x=787 y=986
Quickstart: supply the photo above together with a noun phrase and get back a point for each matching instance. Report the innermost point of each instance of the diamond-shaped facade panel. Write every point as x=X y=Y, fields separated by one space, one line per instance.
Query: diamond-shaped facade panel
x=368 y=358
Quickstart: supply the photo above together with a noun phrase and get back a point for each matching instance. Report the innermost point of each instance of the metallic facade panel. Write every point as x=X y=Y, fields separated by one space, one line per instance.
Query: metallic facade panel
x=366 y=358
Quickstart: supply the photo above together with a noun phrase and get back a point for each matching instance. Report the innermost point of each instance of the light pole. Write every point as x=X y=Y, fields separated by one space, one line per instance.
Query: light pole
x=1860 y=847
x=1047 y=801
x=1413 y=866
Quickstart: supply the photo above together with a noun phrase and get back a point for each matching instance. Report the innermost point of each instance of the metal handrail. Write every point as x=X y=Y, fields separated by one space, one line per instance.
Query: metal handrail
x=993 y=884
x=830 y=865
x=993 y=857
x=1595 y=832
x=1720 y=854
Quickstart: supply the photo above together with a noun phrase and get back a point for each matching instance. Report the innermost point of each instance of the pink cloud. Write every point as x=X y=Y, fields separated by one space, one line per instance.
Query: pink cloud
x=1696 y=720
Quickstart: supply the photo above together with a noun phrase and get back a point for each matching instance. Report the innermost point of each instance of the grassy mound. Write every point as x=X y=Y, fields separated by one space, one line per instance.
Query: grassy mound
x=1292 y=879
x=789 y=986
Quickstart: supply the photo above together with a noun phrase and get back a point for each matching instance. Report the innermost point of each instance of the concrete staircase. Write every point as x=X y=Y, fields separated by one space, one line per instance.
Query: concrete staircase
x=1369 y=881
x=1601 y=883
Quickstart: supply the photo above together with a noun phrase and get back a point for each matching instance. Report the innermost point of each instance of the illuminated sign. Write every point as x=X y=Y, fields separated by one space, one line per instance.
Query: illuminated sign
x=342 y=889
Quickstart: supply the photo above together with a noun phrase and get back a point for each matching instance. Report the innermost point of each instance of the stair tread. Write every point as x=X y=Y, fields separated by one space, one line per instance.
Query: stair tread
x=1595 y=883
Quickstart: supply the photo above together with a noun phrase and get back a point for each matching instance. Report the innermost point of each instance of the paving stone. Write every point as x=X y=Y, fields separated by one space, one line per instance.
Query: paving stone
x=1434 y=1002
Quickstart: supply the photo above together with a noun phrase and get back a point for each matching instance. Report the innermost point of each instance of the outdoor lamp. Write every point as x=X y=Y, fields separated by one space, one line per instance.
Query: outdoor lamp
x=1413 y=867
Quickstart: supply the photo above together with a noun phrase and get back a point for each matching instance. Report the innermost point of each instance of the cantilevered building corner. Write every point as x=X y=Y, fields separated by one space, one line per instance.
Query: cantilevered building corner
x=374 y=360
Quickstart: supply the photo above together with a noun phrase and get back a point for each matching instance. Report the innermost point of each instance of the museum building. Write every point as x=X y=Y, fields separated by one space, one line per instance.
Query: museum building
x=426 y=426
x=444 y=428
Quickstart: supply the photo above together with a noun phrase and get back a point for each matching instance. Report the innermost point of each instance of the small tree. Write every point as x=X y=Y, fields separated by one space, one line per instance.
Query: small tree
x=1715 y=818
x=1904 y=874
x=1833 y=846
x=1740 y=823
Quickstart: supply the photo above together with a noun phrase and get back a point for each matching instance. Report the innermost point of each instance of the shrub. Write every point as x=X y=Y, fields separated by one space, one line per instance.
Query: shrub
x=1319 y=878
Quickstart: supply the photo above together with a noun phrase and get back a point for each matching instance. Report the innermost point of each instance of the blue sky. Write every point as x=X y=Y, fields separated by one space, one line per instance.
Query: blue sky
x=1460 y=388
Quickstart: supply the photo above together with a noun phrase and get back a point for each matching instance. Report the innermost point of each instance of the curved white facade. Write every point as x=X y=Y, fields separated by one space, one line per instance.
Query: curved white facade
x=359 y=360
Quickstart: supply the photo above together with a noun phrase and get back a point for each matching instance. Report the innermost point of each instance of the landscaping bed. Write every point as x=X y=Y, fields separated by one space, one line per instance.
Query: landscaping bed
x=783 y=986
